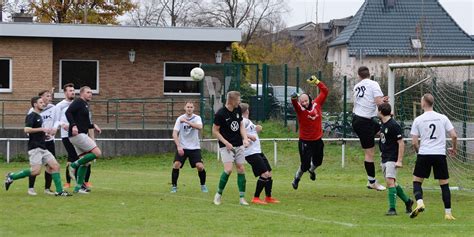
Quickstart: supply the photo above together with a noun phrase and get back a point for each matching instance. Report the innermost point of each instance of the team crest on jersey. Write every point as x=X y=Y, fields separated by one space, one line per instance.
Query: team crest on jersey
x=386 y=130
x=234 y=126
x=237 y=115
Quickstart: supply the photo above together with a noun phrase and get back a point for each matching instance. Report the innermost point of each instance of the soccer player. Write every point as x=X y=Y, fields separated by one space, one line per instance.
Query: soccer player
x=367 y=95
x=392 y=148
x=431 y=128
x=50 y=116
x=62 y=106
x=78 y=116
x=254 y=156
x=310 y=144
x=186 y=137
x=38 y=154
x=230 y=132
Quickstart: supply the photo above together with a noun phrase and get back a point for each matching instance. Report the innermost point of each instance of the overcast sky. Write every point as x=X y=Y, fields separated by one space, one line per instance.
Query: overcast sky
x=305 y=10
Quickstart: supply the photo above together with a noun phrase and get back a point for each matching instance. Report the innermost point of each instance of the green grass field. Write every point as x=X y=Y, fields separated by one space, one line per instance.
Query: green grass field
x=131 y=197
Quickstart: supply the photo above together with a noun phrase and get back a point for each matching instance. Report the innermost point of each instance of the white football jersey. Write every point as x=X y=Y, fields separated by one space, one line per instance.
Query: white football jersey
x=364 y=98
x=431 y=127
x=188 y=136
x=254 y=146
x=62 y=107
x=50 y=118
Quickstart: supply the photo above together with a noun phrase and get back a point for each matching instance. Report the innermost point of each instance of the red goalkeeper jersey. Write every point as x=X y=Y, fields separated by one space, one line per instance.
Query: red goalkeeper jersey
x=310 y=121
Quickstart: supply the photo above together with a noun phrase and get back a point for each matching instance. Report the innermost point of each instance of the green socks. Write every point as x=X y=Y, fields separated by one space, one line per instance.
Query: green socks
x=392 y=197
x=21 y=174
x=81 y=174
x=57 y=182
x=402 y=194
x=222 y=182
x=84 y=160
x=241 y=184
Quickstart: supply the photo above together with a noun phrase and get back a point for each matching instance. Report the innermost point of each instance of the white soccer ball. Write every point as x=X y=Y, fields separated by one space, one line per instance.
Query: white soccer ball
x=197 y=74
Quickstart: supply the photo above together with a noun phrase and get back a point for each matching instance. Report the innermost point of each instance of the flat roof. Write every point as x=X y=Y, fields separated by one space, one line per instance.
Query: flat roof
x=16 y=29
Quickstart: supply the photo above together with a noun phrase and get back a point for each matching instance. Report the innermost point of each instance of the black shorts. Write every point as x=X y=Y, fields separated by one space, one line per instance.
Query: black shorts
x=71 y=151
x=310 y=152
x=50 y=146
x=425 y=162
x=259 y=163
x=365 y=129
x=193 y=155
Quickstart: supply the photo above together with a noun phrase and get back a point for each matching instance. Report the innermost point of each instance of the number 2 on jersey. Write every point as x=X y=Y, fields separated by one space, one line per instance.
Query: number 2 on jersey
x=360 y=91
x=432 y=126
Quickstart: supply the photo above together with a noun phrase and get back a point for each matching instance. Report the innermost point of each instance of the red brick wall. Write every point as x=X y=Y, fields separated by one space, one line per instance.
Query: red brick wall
x=31 y=73
x=32 y=65
x=118 y=78
x=36 y=67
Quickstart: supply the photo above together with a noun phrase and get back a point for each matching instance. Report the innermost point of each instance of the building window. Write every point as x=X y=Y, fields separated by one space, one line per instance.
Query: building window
x=5 y=75
x=177 y=80
x=80 y=72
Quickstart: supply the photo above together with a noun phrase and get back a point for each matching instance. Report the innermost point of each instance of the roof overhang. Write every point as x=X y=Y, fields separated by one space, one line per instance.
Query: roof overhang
x=120 y=32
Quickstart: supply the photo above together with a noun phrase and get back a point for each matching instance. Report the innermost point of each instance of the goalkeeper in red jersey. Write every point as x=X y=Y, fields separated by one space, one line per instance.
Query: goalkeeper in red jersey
x=310 y=144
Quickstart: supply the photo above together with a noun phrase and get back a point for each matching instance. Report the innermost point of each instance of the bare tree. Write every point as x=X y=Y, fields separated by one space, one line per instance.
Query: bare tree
x=148 y=13
x=249 y=15
x=161 y=12
x=178 y=10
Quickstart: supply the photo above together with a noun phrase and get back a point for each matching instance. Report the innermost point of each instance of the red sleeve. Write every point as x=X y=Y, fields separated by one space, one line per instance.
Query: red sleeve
x=296 y=105
x=323 y=94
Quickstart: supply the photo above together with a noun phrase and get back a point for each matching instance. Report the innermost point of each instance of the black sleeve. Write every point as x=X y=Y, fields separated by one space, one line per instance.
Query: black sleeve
x=397 y=131
x=30 y=120
x=219 y=119
x=72 y=108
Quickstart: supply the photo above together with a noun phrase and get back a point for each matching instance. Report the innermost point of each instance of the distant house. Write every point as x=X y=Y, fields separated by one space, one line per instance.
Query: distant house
x=308 y=31
x=385 y=31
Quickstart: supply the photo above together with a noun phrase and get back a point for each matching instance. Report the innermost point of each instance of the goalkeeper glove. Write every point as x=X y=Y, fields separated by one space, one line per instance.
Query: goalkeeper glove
x=313 y=80
x=294 y=95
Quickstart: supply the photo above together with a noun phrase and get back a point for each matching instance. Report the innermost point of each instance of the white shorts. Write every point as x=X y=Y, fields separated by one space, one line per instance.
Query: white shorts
x=82 y=143
x=40 y=156
x=236 y=155
x=389 y=170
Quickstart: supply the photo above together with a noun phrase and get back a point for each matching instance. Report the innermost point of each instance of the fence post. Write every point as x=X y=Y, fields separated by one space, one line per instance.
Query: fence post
x=257 y=81
x=464 y=121
x=297 y=91
x=143 y=114
x=8 y=151
x=275 y=154
x=3 y=114
x=108 y=111
x=343 y=147
x=116 y=114
x=286 y=95
x=265 y=90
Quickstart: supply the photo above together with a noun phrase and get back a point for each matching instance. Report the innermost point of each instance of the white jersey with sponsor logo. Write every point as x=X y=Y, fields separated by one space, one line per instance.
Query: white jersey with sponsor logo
x=254 y=146
x=50 y=117
x=188 y=136
x=364 y=98
x=432 y=128
x=62 y=107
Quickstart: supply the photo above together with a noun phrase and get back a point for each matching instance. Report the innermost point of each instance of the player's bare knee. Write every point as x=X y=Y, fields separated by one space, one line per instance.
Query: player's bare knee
x=176 y=165
x=54 y=167
x=199 y=166
x=443 y=181
x=35 y=170
x=97 y=152
x=240 y=168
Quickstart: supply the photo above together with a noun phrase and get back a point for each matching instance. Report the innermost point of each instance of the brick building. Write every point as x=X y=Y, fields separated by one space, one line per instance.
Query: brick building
x=115 y=61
